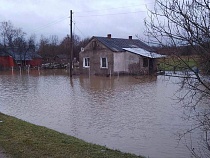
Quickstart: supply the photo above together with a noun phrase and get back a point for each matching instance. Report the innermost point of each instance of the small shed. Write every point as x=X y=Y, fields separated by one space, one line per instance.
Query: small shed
x=29 y=58
x=61 y=58
x=36 y=60
x=148 y=59
x=6 y=61
x=12 y=59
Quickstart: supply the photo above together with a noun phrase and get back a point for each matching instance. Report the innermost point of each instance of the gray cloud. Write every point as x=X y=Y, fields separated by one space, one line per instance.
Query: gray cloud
x=121 y=18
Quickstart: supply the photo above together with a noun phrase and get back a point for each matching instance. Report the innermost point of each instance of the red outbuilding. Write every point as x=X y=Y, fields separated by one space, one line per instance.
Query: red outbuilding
x=36 y=60
x=12 y=59
x=6 y=61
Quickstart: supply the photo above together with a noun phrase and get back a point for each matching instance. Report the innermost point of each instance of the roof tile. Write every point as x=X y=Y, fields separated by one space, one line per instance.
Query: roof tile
x=117 y=44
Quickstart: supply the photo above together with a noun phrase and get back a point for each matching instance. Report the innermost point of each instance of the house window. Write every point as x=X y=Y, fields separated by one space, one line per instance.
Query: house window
x=86 y=62
x=145 y=62
x=104 y=63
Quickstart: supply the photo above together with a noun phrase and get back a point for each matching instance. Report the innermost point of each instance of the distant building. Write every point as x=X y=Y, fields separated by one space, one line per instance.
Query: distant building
x=61 y=59
x=12 y=59
x=107 y=55
x=6 y=60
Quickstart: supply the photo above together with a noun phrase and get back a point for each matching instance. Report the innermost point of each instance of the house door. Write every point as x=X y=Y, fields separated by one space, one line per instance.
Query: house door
x=151 y=65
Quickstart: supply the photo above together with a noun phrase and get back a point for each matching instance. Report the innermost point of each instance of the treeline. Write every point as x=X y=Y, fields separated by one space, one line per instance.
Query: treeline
x=51 y=46
x=16 y=40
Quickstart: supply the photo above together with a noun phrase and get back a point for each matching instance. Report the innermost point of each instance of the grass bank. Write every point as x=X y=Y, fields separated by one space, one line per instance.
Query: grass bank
x=21 y=139
x=172 y=62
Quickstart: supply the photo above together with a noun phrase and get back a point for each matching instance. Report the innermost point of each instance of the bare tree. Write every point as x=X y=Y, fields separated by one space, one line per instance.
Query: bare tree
x=53 y=41
x=24 y=48
x=43 y=43
x=8 y=33
x=181 y=24
x=65 y=45
x=50 y=47
x=77 y=44
x=14 y=41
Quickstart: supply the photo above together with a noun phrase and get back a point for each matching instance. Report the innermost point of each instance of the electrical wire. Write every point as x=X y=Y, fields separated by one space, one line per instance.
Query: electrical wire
x=64 y=18
x=49 y=24
x=80 y=31
x=109 y=14
x=81 y=16
x=115 y=8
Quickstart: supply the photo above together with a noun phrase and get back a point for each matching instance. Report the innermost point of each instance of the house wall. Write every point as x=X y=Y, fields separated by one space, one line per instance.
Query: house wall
x=35 y=62
x=132 y=63
x=129 y=63
x=95 y=51
x=119 y=62
x=155 y=62
x=6 y=62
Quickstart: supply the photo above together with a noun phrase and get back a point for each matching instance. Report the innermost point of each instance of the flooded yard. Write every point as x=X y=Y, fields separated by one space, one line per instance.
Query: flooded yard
x=138 y=115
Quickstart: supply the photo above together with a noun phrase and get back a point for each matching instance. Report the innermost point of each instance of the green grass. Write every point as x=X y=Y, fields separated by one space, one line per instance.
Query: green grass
x=181 y=63
x=21 y=139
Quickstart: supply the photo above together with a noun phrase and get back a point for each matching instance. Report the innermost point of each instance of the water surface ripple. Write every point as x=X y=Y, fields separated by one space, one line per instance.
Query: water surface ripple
x=135 y=115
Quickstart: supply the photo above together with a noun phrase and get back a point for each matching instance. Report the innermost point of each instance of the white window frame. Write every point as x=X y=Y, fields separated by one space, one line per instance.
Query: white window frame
x=101 y=66
x=86 y=64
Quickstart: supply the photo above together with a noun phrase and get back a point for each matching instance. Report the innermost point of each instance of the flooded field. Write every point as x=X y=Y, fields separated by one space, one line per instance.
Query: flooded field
x=135 y=115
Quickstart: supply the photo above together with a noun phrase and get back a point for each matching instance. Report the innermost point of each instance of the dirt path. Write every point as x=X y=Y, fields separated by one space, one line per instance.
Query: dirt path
x=3 y=154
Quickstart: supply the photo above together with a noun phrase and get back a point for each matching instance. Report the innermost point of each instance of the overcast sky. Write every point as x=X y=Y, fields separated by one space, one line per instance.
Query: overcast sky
x=121 y=18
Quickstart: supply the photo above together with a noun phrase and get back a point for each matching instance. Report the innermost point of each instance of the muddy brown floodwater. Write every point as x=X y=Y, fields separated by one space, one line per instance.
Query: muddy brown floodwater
x=135 y=115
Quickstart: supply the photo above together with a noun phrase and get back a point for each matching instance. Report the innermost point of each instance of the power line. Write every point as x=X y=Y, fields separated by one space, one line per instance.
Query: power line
x=109 y=14
x=112 y=14
x=81 y=16
x=79 y=30
x=49 y=24
x=115 y=8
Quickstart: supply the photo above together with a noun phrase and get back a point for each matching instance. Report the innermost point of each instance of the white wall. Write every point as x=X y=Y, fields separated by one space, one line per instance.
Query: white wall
x=119 y=62
x=122 y=60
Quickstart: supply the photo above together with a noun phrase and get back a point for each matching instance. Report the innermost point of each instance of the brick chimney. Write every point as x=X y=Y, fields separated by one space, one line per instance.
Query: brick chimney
x=109 y=36
x=130 y=37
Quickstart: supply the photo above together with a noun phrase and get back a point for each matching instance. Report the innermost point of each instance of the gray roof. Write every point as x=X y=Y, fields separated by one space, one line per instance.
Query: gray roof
x=3 y=54
x=21 y=56
x=62 y=56
x=25 y=56
x=117 y=44
x=144 y=53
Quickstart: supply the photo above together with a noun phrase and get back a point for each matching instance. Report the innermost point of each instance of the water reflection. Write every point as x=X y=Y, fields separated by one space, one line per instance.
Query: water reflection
x=132 y=114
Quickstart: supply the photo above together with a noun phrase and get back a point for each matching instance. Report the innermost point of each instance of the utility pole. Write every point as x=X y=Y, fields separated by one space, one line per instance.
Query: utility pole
x=71 y=44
